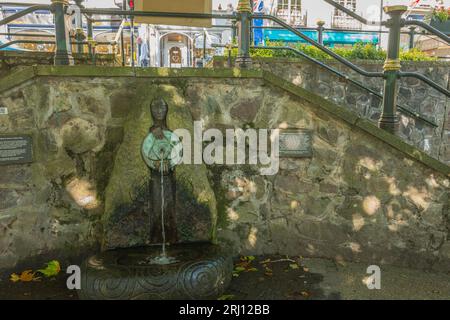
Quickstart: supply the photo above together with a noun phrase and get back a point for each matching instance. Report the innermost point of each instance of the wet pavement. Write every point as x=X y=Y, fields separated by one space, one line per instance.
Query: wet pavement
x=283 y=278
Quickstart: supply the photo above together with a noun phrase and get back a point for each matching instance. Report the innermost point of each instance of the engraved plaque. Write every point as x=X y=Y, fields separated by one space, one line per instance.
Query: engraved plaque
x=296 y=143
x=16 y=149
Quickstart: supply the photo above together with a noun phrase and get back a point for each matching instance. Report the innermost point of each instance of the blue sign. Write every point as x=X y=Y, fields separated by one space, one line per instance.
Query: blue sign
x=329 y=37
x=258 y=33
x=10 y=48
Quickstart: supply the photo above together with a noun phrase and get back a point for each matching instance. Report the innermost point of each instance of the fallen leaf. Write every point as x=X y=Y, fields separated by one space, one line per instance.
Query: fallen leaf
x=293 y=266
x=305 y=294
x=26 y=276
x=305 y=269
x=51 y=270
x=14 y=277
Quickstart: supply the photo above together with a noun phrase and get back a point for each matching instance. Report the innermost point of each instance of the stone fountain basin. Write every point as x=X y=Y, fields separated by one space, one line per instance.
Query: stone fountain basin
x=202 y=271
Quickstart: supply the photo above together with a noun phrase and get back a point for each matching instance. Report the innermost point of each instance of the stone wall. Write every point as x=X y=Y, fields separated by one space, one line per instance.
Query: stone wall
x=14 y=59
x=413 y=94
x=364 y=195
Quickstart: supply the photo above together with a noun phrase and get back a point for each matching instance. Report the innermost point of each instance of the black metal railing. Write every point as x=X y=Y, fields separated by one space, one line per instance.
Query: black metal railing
x=348 y=63
x=13 y=42
x=341 y=75
x=321 y=47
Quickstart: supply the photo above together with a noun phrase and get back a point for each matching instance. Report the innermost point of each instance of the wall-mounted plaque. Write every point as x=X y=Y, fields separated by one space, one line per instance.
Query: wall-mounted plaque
x=16 y=149
x=296 y=143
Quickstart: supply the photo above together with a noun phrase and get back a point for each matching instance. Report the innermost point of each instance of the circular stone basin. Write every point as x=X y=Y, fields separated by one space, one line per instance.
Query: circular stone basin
x=196 y=271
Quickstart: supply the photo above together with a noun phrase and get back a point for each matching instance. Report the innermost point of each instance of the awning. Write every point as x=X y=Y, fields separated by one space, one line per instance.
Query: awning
x=329 y=37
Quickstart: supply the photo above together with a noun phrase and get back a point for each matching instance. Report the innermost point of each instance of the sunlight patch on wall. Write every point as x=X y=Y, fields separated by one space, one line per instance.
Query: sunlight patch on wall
x=371 y=204
x=283 y=125
x=232 y=214
x=295 y=204
x=358 y=222
x=252 y=238
x=370 y=164
x=418 y=197
x=431 y=182
x=393 y=189
x=355 y=247
x=83 y=193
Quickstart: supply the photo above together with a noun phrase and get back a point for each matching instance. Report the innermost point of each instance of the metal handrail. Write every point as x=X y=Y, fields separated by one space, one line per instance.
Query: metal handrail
x=31 y=35
x=12 y=42
x=17 y=4
x=402 y=109
x=429 y=28
x=24 y=12
x=357 y=83
x=351 y=65
x=384 y=23
x=427 y=80
x=321 y=47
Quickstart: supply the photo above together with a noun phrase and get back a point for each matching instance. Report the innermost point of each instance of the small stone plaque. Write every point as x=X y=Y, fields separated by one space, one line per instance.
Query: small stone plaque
x=296 y=143
x=16 y=149
x=3 y=111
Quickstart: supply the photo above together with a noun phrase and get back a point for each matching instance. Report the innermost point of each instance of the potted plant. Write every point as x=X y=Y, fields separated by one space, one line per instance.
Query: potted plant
x=440 y=19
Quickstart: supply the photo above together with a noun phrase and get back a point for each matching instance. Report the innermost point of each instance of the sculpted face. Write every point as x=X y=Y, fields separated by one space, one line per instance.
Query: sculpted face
x=159 y=109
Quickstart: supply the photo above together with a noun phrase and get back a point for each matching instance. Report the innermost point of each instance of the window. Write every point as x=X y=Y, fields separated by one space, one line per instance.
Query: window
x=291 y=12
x=342 y=20
x=349 y=4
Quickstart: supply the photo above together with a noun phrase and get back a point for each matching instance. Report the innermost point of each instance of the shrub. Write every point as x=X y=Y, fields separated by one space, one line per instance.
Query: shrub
x=415 y=55
x=358 y=51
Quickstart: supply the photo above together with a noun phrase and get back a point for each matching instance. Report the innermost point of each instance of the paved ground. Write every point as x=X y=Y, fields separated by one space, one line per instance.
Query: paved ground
x=294 y=278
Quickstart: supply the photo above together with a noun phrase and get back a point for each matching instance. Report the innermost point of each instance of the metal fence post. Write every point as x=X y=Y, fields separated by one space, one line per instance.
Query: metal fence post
x=244 y=10
x=79 y=34
x=63 y=53
x=388 y=119
x=90 y=35
x=233 y=31
x=320 y=30
x=412 y=33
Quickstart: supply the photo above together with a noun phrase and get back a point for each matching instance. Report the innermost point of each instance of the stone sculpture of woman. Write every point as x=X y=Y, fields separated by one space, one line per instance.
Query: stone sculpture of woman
x=161 y=151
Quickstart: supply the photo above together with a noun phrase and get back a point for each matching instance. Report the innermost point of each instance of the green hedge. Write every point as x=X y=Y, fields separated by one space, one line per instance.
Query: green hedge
x=358 y=51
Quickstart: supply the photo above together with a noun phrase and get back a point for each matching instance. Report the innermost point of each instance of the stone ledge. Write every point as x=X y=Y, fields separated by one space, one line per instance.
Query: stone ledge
x=23 y=74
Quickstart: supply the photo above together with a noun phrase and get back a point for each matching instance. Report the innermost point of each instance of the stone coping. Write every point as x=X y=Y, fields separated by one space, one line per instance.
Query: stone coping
x=24 y=74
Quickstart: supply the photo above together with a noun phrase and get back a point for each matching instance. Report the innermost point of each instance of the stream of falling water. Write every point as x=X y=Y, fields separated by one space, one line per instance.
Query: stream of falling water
x=163 y=228
x=162 y=259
